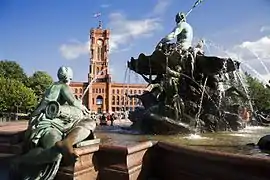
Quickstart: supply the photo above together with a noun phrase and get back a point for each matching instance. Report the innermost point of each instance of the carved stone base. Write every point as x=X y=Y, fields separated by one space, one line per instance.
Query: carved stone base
x=121 y=163
x=84 y=167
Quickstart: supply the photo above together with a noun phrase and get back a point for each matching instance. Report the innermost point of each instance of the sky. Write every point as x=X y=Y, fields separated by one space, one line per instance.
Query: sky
x=46 y=34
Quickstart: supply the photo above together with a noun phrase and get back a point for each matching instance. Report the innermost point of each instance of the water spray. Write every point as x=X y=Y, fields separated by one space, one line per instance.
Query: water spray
x=93 y=80
x=197 y=116
x=261 y=61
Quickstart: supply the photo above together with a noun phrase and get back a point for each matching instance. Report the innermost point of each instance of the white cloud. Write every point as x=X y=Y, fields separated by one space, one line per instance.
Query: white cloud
x=265 y=28
x=124 y=30
x=160 y=7
x=105 y=5
x=253 y=55
x=259 y=49
x=73 y=49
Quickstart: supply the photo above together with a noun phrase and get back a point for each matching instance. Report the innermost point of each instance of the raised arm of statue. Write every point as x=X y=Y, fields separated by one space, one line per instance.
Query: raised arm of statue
x=67 y=94
x=70 y=98
x=177 y=30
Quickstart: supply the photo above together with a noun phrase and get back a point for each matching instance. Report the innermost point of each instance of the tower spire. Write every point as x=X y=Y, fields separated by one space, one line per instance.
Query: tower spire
x=99 y=24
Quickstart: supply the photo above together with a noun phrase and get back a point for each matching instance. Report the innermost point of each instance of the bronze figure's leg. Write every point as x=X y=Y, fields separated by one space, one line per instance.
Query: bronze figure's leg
x=47 y=153
x=76 y=135
x=50 y=138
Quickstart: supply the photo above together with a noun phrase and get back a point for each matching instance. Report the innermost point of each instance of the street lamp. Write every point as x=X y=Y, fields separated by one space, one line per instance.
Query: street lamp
x=17 y=109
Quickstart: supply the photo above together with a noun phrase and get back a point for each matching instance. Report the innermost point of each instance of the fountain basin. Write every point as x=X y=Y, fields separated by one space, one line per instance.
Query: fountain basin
x=150 y=159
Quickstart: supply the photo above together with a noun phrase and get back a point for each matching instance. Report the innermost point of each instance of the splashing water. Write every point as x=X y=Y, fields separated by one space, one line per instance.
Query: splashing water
x=246 y=91
x=256 y=72
x=93 y=80
x=254 y=128
x=247 y=131
x=195 y=137
x=182 y=74
x=210 y=43
x=197 y=117
x=261 y=61
x=239 y=135
x=239 y=76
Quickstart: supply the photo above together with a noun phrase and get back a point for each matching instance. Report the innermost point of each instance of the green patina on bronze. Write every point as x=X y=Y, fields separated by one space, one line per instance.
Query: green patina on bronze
x=59 y=122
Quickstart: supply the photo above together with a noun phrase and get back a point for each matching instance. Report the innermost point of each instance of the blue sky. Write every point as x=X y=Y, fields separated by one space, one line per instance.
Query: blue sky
x=45 y=34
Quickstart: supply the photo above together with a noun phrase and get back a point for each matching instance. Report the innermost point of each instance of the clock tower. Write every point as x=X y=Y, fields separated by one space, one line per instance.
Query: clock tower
x=99 y=49
x=102 y=94
x=99 y=77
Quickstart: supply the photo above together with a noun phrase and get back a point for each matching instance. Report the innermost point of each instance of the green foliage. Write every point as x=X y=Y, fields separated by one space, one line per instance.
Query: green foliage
x=39 y=82
x=18 y=89
x=14 y=92
x=12 y=70
x=259 y=94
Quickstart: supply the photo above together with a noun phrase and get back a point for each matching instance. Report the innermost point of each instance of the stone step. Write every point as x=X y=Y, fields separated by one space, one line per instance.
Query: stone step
x=12 y=132
x=6 y=148
x=11 y=137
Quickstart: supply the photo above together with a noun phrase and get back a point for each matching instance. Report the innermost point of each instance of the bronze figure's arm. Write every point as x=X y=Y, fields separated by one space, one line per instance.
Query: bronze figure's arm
x=173 y=73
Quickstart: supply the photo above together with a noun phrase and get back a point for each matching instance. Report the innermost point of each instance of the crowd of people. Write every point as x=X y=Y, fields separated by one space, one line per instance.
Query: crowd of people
x=105 y=118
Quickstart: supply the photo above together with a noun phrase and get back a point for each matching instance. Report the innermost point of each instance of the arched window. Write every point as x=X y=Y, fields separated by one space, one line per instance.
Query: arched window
x=99 y=53
x=113 y=91
x=99 y=100
x=117 y=91
x=118 y=100
x=99 y=49
x=81 y=90
x=122 y=100
x=113 y=100
x=76 y=90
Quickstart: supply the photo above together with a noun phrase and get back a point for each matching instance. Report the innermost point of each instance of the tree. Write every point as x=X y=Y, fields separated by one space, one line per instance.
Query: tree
x=14 y=92
x=259 y=94
x=12 y=70
x=39 y=82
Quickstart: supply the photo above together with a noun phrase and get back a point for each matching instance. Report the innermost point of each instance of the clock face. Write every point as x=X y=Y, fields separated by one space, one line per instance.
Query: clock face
x=99 y=42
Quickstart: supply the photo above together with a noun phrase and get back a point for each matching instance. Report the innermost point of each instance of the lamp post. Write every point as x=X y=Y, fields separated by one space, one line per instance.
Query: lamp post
x=17 y=109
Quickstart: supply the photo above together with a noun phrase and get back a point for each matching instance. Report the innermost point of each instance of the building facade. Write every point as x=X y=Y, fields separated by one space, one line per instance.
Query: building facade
x=101 y=95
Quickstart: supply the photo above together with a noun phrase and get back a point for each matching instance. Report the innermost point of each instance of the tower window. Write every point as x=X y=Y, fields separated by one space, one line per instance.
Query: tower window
x=99 y=49
x=99 y=53
x=113 y=100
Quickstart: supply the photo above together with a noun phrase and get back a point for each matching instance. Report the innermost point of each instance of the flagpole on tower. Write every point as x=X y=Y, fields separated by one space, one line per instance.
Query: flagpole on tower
x=97 y=15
